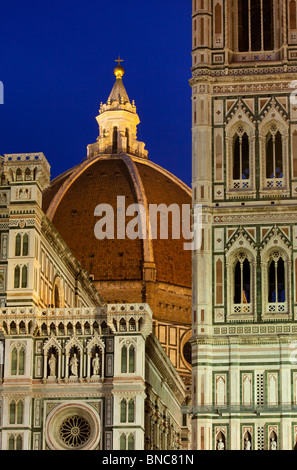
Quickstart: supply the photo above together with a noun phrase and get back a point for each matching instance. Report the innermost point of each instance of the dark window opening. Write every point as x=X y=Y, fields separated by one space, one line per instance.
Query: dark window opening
x=241 y=158
x=274 y=156
x=277 y=290
x=243 y=25
x=242 y=278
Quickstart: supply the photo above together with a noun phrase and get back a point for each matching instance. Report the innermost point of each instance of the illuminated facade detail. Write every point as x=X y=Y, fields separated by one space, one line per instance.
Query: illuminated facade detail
x=80 y=372
x=244 y=175
x=118 y=121
x=148 y=269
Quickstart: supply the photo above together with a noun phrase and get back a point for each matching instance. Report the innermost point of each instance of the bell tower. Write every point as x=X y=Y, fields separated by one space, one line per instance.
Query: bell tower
x=244 y=131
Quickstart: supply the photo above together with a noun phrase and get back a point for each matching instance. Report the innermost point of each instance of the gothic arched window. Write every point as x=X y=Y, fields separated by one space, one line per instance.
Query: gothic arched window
x=124 y=360
x=17 y=275
x=131 y=442
x=19 y=175
x=123 y=418
x=16 y=412
x=18 y=361
x=241 y=158
x=274 y=154
x=131 y=411
x=128 y=360
x=123 y=440
x=25 y=244
x=28 y=174
x=24 y=277
x=15 y=442
x=18 y=240
x=276 y=280
x=242 y=281
x=12 y=412
x=127 y=413
x=19 y=442
x=131 y=360
x=255 y=25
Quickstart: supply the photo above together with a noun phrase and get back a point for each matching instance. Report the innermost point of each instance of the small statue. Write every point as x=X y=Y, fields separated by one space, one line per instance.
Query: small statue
x=221 y=445
x=74 y=365
x=96 y=364
x=247 y=444
x=273 y=444
x=52 y=365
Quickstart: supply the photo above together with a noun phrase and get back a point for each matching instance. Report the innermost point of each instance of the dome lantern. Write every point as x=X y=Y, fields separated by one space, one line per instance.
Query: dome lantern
x=118 y=121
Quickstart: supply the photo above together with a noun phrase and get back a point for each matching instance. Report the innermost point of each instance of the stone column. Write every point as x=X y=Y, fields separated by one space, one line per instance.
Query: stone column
x=45 y=365
x=67 y=365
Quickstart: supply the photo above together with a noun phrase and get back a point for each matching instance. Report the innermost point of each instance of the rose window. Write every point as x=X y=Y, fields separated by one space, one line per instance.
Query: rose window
x=75 y=431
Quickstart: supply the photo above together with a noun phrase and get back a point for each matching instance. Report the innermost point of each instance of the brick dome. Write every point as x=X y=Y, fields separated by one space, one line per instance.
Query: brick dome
x=70 y=202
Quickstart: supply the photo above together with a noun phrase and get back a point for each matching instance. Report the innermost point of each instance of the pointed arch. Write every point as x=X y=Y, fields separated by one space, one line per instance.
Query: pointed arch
x=241 y=156
x=24 y=277
x=131 y=411
x=17 y=359
x=276 y=254
x=123 y=442
x=25 y=244
x=131 y=359
x=28 y=174
x=240 y=146
x=19 y=175
x=18 y=244
x=131 y=442
x=123 y=411
x=12 y=412
x=241 y=263
x=274 y=145
x=124 y=360
x=17 y=277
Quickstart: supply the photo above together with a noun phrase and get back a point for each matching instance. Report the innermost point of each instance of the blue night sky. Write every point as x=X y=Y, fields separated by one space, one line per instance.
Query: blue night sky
x=56 y=64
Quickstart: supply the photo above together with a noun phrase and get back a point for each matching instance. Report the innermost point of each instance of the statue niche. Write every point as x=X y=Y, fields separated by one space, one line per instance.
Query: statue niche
x=221 y=441
x=96 y=363
x=52 y=363
x=247 y=441
x=74 y=363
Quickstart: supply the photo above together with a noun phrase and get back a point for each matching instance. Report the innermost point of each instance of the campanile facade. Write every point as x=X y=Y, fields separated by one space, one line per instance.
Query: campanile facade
x=244 y=127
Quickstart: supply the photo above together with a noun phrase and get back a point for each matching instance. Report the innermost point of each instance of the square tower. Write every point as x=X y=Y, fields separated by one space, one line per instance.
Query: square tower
x=245 y=177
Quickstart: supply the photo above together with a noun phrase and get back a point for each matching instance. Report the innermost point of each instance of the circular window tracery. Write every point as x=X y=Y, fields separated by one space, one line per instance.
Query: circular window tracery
x=73 y=426
x=75 y=431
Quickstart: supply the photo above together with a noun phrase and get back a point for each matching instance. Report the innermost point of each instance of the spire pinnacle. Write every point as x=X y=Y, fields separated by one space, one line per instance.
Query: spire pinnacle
x=119 y=69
